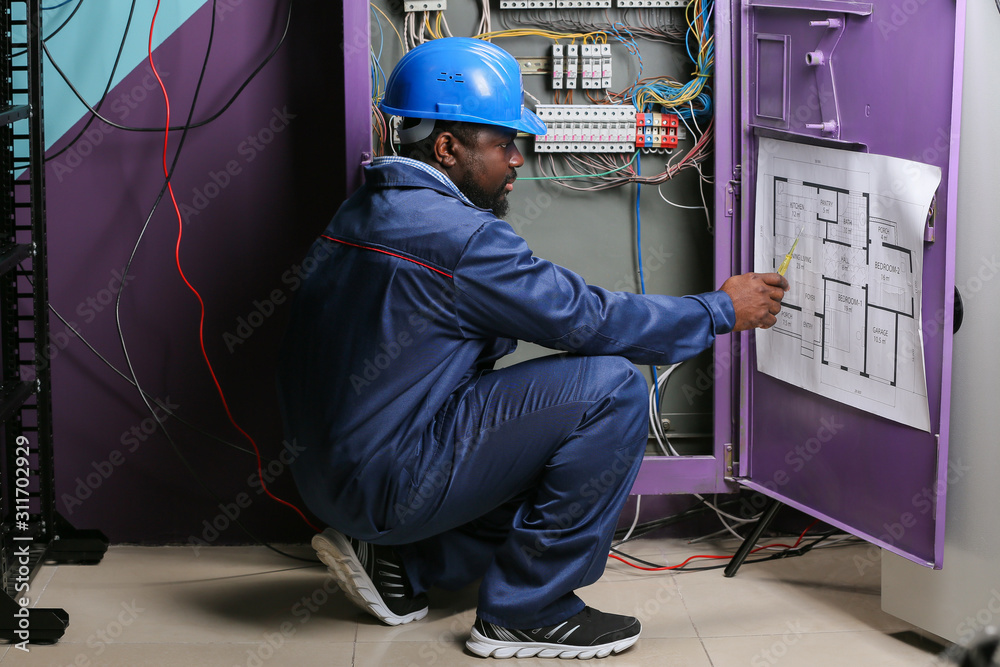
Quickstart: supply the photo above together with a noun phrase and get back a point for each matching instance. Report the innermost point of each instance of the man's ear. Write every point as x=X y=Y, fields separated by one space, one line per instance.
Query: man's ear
x=446 y=149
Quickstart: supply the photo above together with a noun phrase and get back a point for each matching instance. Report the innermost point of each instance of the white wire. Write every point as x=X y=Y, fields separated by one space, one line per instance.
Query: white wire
x=729 y=516
x=701 y=191
x=485 y=20
x=693 y=208
x=668 y=450
x=654 y=421
x=696 y=136
x=721 y=531
x=693 y=119
x=635 y=520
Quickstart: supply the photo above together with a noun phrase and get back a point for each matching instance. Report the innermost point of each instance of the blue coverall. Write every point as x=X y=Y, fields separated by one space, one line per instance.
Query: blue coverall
x=411 y=438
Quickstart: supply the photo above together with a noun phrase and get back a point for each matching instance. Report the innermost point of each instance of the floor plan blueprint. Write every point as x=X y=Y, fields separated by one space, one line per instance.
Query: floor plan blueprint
x=849 y=327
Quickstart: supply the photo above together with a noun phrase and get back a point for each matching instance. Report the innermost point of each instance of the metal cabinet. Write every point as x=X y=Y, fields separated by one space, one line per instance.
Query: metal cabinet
x=890 y=85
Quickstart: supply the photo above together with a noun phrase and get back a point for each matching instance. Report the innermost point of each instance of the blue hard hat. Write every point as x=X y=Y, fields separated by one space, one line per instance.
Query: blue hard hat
x=463 y=79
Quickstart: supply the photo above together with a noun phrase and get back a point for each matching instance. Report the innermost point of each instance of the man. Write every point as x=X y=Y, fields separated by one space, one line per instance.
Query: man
x=430 y=467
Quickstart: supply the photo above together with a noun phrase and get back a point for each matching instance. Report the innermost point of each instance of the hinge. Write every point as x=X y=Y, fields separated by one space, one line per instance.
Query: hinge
x=732 y=195
x=727 y=458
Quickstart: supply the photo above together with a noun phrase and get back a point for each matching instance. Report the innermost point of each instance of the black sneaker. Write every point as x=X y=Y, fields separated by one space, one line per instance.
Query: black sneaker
x=589 y=634
x=372 y=576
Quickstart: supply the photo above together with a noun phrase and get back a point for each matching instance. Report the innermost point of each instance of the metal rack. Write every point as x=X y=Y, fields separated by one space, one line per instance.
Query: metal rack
x=31 y=531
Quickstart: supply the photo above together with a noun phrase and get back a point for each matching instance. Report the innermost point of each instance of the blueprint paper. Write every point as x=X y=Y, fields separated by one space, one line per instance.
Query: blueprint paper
x=849 y=328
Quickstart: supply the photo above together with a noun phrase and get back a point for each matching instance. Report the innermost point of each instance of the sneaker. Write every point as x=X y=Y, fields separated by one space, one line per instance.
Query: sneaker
x=372 y=576
x=589 y=634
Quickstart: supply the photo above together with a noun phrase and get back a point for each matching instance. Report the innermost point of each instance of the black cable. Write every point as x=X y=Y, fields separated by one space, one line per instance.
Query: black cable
x=188 y=125
x=121 y=335
x=104 y=95
x=54 y=32
x=787 y=553
x=158 y=402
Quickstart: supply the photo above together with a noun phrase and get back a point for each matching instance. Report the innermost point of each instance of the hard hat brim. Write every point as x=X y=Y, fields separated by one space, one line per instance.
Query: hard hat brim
x=529 y=122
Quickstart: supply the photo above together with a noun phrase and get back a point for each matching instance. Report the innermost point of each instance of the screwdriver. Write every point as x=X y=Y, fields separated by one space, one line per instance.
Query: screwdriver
x=788 y=257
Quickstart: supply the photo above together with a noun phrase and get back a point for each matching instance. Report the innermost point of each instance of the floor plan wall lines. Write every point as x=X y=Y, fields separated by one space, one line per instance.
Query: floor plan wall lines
x=849 y=326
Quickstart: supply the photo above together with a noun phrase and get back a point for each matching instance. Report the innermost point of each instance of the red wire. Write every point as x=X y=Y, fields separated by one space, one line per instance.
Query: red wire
x=201 y=303
x=674 y=567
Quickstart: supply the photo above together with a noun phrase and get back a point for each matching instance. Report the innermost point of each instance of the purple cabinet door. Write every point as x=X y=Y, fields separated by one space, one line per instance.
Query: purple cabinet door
x=881 y=78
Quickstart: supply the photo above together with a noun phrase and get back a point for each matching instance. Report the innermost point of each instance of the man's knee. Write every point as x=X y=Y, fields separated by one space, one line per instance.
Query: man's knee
x=623 y=382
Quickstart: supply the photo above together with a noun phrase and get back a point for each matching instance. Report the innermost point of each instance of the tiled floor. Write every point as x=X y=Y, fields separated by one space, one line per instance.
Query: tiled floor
x=248 y=607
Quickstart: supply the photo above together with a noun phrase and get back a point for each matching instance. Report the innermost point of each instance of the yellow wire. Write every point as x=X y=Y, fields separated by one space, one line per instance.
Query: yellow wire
x=548 y=34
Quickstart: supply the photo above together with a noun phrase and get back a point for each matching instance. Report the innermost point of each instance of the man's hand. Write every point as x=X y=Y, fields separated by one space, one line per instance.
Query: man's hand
x=756 y=299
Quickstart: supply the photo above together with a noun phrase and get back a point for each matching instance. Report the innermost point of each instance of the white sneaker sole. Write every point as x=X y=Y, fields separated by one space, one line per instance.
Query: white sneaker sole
x=495 y=648
x=337 y=554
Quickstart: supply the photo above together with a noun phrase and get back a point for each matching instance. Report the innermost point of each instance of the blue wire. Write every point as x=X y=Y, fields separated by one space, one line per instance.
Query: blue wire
x=381 y=38
x=638 y=225
x=64 y=2
x=377 y=70
x=638 y=246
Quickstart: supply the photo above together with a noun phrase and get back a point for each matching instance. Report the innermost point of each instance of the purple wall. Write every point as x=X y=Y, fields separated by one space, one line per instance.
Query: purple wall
x=256 y=186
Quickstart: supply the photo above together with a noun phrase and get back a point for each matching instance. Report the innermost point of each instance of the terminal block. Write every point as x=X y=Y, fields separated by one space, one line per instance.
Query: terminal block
x=527 y=4
x=425 y=5
x=587 y=128
x=656 y=130
x=651 y=3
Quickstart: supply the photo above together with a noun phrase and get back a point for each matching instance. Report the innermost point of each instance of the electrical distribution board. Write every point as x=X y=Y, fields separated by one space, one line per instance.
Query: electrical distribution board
x=646 y=180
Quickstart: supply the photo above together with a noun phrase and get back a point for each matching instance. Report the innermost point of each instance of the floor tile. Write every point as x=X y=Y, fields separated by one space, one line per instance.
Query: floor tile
x=246 y=606
x=645 y=653
x=226 y=595
x=833 y=649
x=820 y=590
x=274 y=654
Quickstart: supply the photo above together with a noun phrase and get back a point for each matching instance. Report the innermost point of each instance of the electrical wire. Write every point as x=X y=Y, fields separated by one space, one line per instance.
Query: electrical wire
x=143 y=394
x=391 y=25
x=787 y=553
x=64 y=2
x=652 y=567
x=638 y=250
x=648 y=527
x=125 y=377
x=107 y=87
x=189 y=125
x=201 y=302
x=635 y=520
x=54 y=32
x=663 y=442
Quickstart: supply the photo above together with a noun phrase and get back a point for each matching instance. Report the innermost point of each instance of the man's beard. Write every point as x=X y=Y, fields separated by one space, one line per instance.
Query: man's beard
x=495 y=201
